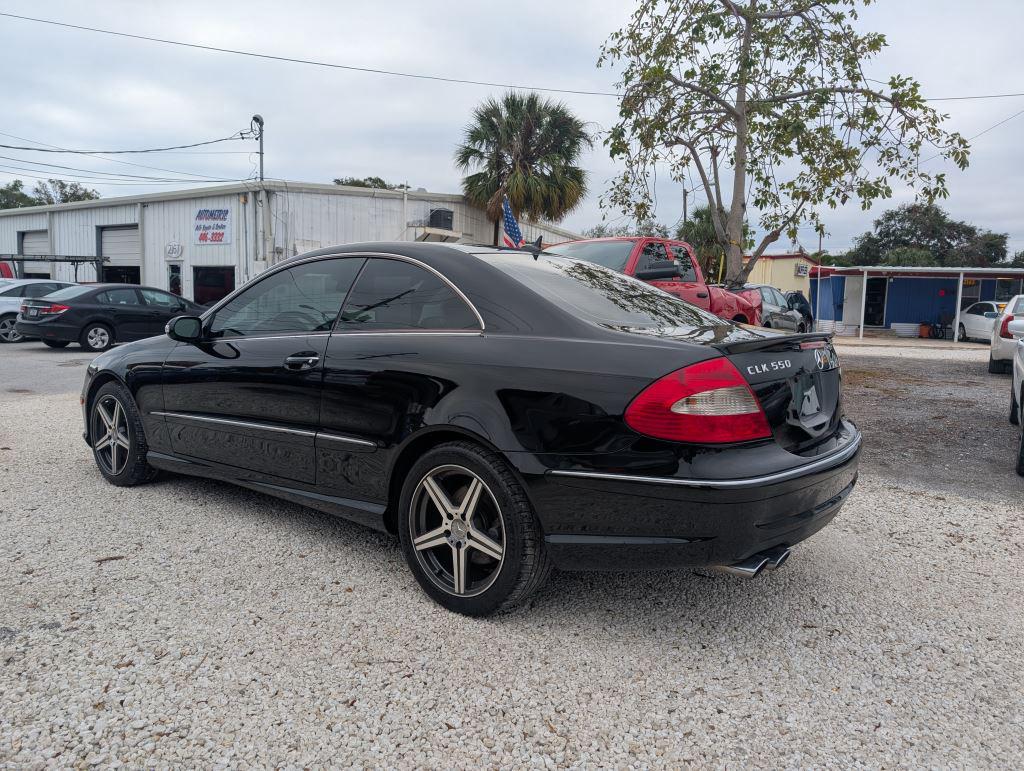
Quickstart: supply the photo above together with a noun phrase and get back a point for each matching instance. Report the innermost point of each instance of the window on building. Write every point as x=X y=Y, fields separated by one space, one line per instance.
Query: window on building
x=303 y=299
x=121 y=274
x=174 y=278
x=1007 y=288
x=212 y=283
x=393 y=294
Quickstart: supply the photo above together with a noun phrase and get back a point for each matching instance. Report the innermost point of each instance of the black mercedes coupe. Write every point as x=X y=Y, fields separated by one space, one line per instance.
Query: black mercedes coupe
x=502 y=411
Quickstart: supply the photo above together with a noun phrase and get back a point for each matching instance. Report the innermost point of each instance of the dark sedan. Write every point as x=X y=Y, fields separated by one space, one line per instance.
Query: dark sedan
x=98 y=315
x=502 y=412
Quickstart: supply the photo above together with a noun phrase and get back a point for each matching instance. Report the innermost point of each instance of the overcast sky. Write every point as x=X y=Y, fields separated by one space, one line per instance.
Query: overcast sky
x=85 y=90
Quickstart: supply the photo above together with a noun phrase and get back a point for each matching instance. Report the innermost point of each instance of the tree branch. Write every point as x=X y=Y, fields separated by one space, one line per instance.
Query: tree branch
x=706 y=93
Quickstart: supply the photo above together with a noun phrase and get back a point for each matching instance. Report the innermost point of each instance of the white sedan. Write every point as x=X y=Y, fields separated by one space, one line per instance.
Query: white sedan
x=977 y=320
x=1016 y=328
x=1003 y=344
x=12 y=292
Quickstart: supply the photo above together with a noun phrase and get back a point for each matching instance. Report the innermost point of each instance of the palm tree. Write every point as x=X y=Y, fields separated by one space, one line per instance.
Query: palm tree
x=525 y=147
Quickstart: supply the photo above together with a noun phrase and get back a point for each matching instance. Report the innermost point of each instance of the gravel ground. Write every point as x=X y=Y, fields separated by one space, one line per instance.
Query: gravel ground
x=191 y=623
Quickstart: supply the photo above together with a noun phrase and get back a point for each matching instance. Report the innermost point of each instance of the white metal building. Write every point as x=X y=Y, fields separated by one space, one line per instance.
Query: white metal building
x=202 y=243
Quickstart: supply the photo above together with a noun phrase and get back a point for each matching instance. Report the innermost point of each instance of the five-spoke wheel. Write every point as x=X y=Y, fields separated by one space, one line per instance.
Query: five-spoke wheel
x=110 y=433
x=468 y=531
x=116 y=435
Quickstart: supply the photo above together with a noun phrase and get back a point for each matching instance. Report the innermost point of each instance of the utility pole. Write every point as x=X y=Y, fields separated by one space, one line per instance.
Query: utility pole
x=257 y=127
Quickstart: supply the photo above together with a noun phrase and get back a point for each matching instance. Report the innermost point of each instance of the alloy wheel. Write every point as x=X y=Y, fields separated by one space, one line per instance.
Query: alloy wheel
x=457 y=530
x=113 y=440
x=7 y=332
x=98 y=338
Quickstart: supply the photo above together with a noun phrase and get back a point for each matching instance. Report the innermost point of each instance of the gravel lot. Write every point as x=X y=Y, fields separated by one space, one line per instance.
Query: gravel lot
x=194 y=623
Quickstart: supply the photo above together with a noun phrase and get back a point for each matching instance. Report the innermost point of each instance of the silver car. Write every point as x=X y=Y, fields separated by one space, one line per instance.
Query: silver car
x=1003 y=343
x=12 y=292
x=1016 y=328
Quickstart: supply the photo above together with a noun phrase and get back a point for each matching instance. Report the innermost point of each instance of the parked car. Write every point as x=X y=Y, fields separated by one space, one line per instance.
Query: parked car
x=98 y=315
x=501 y=413
x=776 y=312
x=1016 y=328
x=668 y=265
x=977 y=320
x=798 y=302
x=12 y=292
x=1004 y=345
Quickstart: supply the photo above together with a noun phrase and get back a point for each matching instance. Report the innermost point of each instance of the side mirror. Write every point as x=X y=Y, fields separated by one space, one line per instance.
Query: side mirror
x=991 y=315
x=659 y=269
x=185 y=329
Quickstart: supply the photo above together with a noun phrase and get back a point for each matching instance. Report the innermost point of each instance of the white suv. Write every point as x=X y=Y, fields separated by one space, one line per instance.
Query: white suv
x=1003 y=342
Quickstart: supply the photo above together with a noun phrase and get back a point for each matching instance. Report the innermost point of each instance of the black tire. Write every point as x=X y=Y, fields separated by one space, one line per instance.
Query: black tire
x=961 y=334
x=800 y=329
x=996 y=367
x=7 y=331
x=504 y=514
x=1020 y=454
x=55 y=343
x=121 y=470
x=96 y=337
x=1014 y=408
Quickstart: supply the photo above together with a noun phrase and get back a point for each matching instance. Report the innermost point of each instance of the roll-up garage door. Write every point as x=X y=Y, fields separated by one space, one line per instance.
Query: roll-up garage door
x=121 y=245
x=36 y=242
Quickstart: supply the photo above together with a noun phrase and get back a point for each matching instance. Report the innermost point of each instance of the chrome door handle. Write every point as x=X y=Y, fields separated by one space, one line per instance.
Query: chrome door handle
x=301 y=361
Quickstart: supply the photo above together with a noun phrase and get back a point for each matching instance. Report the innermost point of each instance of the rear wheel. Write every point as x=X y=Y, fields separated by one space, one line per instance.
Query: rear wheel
x=468 y=531
x=96 y=338
x=961 y=334
x=117 y=437
x=7 y=332
x=1020 y=454
x=1014 y=408
x=55 y=343
x=996 y=367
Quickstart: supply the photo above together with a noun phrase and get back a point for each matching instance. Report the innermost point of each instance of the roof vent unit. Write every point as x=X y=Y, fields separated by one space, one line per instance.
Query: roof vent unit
x=442 y=219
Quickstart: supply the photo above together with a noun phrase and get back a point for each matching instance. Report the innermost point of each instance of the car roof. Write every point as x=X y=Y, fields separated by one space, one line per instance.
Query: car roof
x=35 y=281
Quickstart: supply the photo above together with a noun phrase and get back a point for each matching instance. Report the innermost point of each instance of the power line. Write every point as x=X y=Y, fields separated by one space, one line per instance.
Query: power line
x=981 y=133
x=234 y=137
x=394 y=73
x=119 y=175
x=71 y=178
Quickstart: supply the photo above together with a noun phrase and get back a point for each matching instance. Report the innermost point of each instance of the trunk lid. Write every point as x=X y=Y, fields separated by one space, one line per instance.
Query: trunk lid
x=797 y=379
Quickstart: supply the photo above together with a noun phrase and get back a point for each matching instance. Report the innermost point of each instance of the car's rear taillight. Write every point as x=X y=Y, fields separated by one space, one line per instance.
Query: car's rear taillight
x=1004 y=328
x=53 y=309
x=705 y=403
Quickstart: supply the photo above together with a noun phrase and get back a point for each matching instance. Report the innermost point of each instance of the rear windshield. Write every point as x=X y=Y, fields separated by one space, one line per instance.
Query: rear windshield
x=611 y=254
x=68 y=292
x=1018 y=306
x=601 y=295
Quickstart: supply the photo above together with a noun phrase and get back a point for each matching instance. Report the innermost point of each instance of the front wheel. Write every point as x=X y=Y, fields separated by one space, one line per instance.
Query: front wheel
x=468 y=531
x=800 y=329
x=8 y=334
x=961 y=334
x=96 y=338
x=55 y=343
x=117 y=437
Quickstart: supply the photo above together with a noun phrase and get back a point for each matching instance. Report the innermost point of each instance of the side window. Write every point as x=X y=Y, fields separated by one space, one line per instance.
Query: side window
x=393 y=294
x=779 y=299
x=766 y=296
x=160 y=300
x=977 y=309
x=14 y=291
x=298 y=300
x=682 y=257
x=119 y=297
x=653 y=251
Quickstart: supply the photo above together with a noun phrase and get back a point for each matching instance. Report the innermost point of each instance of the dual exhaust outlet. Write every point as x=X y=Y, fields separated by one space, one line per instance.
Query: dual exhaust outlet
x=751 y=567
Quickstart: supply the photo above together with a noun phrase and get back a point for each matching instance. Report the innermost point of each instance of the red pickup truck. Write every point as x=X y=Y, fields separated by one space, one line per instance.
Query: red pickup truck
x=668 y=265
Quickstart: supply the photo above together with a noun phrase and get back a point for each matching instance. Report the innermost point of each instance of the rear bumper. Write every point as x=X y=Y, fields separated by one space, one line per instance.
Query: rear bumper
x=611 y=522
x=51 y=329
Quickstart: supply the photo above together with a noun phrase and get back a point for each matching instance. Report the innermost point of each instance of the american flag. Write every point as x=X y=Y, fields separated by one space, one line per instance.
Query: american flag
x=513 y=235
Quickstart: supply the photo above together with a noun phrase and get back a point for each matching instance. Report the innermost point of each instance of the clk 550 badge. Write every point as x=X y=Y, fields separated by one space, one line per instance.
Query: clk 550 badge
x=769 y=366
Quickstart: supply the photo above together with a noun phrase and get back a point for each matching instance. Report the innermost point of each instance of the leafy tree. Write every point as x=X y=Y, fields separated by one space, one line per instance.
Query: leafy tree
x=927 y=227
x=13 y=196
x=525 y=147
x=769 y=102
x=374 y=182
x=647 y=228
x=909 y=256
x=1017 y=261
x=58 y=191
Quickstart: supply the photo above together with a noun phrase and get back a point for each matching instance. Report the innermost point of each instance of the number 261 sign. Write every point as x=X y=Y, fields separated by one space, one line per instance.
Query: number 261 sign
x=212 y=226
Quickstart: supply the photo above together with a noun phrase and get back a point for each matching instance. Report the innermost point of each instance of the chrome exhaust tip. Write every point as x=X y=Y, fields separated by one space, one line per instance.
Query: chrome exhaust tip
x=777 y=557
x=751 y=567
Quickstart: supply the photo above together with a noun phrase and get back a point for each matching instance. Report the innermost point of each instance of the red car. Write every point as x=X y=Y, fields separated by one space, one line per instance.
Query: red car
x=669 y=265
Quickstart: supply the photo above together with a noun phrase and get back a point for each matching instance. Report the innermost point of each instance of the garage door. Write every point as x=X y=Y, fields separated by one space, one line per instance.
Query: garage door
x=36 y=242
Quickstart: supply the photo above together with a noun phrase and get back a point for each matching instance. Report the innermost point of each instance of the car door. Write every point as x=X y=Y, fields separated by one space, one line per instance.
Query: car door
x=790 y=318
x=384 y=371
x=161 y=307
x=971 y=319
x=685 y=283
x=126 y=311
x=247 y=396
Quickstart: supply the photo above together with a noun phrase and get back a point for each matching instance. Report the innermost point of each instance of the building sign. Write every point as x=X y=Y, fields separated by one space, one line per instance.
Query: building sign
x=801 y=270
x=173 y=250
x=212 y=226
